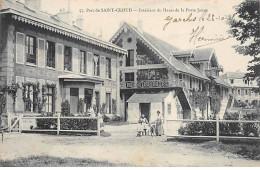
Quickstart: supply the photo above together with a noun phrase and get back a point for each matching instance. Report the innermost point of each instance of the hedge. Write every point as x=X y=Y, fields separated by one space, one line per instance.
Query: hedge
x=226 y=129
x=67 y=124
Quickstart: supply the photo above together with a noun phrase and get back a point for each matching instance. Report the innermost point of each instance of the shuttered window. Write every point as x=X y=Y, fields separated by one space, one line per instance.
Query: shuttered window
x=83 y=62
x=67 y=58
x=20 y=49
x=49 y=100
x=30 y=49
x=108 y=68
x=96 y=65
x=50 y=47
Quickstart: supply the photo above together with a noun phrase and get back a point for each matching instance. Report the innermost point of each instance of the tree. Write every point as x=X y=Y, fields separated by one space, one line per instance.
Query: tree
x=244 y=26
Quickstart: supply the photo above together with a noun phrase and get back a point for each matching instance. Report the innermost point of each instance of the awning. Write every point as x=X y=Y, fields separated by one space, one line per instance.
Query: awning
x=80 y=78
x=147 y=97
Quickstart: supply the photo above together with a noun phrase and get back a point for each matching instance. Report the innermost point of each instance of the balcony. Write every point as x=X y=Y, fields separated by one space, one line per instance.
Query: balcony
x=146 y=84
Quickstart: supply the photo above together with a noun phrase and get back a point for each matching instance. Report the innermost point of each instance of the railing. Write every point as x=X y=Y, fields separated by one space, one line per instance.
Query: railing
x=175 y=124
x=151 y=84
x=61 y=124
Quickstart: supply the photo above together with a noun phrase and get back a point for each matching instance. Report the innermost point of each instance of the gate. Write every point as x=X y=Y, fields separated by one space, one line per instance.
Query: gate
x=15 y=122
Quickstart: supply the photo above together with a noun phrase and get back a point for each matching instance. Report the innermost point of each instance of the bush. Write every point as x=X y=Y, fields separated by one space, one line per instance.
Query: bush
x=106 y=118
x=78 y=124
x=198 y=128
x=250 y=129
x=46 y=123
x=65 y=108
x=117 y=118
x=227 y=129
x=230 y=128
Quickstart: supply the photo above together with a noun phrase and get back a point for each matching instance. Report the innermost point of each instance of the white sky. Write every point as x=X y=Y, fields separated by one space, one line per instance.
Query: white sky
x=176 y=33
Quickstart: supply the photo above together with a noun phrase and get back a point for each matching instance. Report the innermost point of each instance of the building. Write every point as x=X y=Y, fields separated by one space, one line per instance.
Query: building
x=154 y=67
x=53 y=60
x=242 y=88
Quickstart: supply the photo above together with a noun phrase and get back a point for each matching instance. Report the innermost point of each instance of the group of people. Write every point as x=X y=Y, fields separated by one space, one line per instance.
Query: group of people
x=156 y=127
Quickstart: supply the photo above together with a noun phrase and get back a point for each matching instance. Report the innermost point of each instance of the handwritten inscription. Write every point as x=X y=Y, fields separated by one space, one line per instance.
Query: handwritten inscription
x=197 y=37
x=204 y=17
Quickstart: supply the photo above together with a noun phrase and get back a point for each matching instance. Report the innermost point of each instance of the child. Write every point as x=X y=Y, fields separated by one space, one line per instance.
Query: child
x=139 y=128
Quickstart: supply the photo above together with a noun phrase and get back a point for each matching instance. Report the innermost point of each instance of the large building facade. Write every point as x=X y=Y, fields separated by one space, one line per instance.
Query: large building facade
x=53 y=60
x=156 y=68
x=243 y=88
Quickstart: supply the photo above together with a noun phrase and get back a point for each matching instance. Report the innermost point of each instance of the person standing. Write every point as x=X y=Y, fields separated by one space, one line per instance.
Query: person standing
x=144 y=123
x=159 y=124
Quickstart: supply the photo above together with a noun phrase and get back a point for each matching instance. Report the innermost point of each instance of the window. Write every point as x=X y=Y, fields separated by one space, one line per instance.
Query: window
x=67 y=58
x=31 y=49
x=49 y=100
x=246 y=93
x=232 y=81
x=245 y=81
x=130 y=58
x=30 y=105
x=108 y=103
x=108 y=68
x=238 y=91
x=96 y=65
x=242 y=92
x=180 y=76
x=50 y=54
x=83 y=62
x=169 y=108
x=129 y=76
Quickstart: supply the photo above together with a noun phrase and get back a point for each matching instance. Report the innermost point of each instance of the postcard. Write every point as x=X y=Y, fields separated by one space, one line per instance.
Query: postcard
x=129 y=83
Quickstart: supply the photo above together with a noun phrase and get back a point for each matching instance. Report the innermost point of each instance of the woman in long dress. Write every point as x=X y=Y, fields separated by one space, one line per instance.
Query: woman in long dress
x=159 y=124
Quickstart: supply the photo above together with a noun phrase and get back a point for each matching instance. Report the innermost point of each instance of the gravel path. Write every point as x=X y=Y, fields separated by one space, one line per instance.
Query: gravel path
x=121 y=147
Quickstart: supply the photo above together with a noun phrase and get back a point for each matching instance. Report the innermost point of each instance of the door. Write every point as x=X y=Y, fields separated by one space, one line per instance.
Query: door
x=74 y=97
x=145 y=109
x=88 y=97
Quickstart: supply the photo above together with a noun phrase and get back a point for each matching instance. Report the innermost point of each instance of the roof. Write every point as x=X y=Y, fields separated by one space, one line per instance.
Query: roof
x=75 y=77
x=202 y=54
x=180 y=53
x=147 y=97
x=220 y=81
x=164 y=50
x=23 y=13
x=235 y=75
x=199 y=54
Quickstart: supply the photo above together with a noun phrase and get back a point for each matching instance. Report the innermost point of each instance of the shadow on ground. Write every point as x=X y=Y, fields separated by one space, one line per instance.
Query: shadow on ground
x=48 y=161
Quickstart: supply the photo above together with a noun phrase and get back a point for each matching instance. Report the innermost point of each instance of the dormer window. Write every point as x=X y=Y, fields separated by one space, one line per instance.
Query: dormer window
x=232 y=81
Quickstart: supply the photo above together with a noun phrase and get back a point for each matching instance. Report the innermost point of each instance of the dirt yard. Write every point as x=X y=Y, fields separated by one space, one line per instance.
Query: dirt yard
x=122 y=147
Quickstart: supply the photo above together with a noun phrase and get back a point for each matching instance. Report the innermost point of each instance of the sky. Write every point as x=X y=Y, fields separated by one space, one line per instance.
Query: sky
x=176 y=33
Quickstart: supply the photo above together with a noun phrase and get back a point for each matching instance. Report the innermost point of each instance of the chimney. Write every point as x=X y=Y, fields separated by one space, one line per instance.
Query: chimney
x=79 y=21
x=66 y=16
x=33 y=4
x=140 y=26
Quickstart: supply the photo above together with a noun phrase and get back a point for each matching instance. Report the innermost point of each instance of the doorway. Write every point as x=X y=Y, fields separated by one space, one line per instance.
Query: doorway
x=88 y=98
x=145 y=109
x=74 y=97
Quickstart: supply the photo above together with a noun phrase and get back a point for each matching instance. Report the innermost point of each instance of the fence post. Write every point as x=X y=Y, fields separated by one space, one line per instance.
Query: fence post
x=217 y=126
x=9 y=120
x=58 y=123
x=98 y=126
x=20 y=123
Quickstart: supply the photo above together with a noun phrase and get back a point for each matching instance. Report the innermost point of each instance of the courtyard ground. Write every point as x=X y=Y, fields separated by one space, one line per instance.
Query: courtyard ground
x=118 y=146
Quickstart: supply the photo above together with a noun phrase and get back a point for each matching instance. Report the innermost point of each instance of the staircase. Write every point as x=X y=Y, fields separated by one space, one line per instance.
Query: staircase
x=183 y=100
x=224 y=104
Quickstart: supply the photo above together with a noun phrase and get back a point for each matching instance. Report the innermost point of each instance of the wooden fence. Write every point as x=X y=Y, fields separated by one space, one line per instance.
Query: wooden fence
x=217 y=135
x=17 y=120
